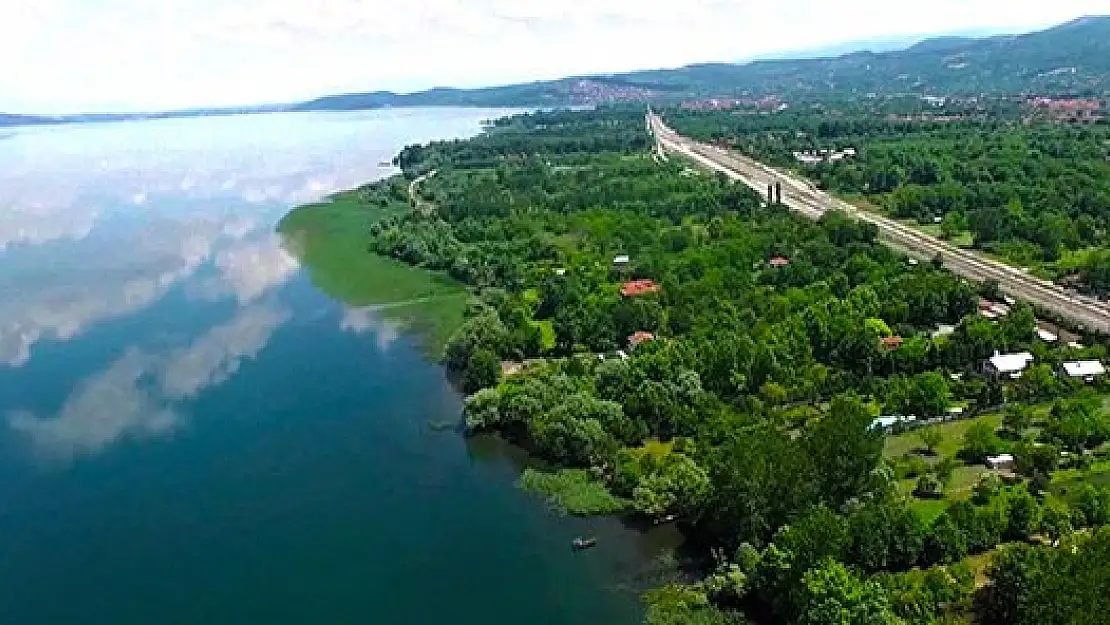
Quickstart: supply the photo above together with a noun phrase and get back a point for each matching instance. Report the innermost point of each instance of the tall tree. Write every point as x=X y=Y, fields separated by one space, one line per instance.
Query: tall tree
x=845 y=450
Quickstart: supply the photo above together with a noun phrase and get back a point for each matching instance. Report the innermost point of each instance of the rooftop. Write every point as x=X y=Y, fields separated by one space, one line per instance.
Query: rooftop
x=1084 y=368
x=1046 y=336
x=639 y=287
x=1011 y=363
x=889 y=421
x=893 y=342
x=944 y=330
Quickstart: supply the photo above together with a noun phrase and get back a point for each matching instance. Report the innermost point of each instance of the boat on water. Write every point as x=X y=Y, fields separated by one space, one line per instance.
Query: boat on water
x=385 y=164
x=580 y=544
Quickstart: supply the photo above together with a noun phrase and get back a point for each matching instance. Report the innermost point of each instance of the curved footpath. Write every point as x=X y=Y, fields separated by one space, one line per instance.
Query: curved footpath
x=802 y=196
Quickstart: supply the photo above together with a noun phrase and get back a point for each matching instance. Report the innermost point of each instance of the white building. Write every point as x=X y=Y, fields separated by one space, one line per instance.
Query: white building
x=944 y=330
x=1046 y=336
x=808 y=158
x=888 y=422
x=1086 y=370
x=621 y=260
x=1001 y=462
x=1010 y=365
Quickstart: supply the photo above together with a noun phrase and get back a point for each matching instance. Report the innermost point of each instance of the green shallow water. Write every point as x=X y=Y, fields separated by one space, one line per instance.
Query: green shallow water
x=192 y=432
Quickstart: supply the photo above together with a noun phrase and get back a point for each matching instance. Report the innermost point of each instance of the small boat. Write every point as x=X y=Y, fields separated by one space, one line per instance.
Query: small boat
x=670 y=518
x=580 y=544
x=385 y=164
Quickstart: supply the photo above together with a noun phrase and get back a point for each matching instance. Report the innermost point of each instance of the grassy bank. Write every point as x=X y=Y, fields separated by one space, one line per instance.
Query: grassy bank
x=331 y=239
x=573 y=491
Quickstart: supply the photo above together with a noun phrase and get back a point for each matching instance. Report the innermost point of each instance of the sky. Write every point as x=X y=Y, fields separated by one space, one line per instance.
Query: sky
x=130 y=55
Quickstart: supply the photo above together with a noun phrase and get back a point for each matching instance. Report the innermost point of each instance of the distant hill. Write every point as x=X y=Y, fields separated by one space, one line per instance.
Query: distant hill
x=874 y=44
x=1072 y=58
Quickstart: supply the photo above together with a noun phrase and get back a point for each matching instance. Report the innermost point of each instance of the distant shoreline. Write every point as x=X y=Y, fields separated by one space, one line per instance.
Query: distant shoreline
x=25 y=121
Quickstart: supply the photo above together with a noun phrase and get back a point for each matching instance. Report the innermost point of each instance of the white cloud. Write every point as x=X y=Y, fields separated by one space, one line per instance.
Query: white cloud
x=135 y=54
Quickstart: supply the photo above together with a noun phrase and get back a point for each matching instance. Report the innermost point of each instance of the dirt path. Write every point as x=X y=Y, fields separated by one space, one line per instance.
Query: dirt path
x=425 y=208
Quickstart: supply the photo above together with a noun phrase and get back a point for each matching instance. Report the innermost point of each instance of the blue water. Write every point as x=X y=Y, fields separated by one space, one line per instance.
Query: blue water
x=191 y=432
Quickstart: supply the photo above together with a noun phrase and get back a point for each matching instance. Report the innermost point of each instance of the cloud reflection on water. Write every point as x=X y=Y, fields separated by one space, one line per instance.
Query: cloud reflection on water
x=135 y=396
x=248 y=270
x=103 y=409
x=95 y=281
x=101 y=222
x=216 y=356
x=369 y=319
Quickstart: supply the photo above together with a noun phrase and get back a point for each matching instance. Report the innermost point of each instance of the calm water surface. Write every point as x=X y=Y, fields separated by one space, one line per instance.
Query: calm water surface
x=191 y=432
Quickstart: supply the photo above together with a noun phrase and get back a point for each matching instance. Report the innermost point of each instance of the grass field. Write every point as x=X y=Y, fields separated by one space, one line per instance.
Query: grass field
x=964 y=477
x=929 y=509
x=573 y=491
x=952 y=433
x=331 y=241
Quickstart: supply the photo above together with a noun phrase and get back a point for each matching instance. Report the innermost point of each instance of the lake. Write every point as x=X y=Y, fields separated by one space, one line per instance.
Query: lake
x=192 y=432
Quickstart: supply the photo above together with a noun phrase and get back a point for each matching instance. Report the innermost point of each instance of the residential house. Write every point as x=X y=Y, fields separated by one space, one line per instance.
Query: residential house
x=1086 y=370
x=640 y=337
x=1007 y=365
x=888 y=423
x=639 y=287
x=943 y=330
x=1001 y=462
x=779 y=262
x=891 y=342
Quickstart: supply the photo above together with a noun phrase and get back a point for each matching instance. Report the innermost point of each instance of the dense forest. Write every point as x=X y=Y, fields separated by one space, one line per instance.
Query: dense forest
x=991 y=176
x=687 y=353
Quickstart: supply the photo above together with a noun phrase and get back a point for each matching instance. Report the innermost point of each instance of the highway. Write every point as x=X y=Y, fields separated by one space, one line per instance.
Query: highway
x=801 y=196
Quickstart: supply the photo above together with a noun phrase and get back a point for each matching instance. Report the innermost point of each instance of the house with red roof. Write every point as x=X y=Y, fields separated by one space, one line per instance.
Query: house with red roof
x=891 y=342
x=636 y=288
x=640 y=337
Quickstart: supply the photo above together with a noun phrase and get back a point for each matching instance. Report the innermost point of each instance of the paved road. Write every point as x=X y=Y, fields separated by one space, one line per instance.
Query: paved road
x=803 y=197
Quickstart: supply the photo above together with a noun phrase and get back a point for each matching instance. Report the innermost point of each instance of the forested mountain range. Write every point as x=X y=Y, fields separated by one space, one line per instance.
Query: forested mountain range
x=1072 y=58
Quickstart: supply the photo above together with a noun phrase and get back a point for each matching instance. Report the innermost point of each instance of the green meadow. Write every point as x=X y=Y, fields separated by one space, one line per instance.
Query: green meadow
x=332 y=241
